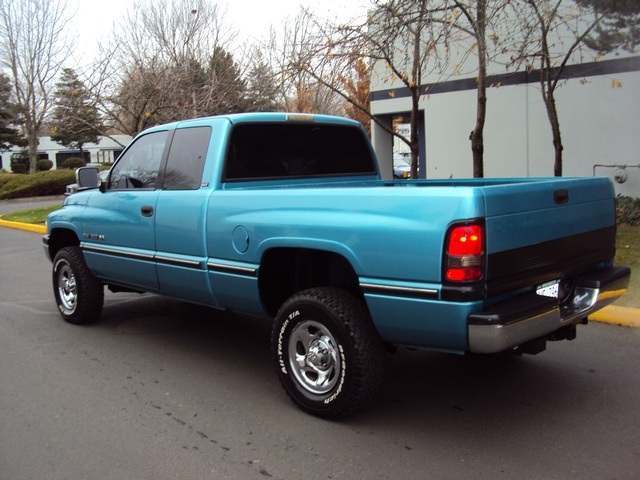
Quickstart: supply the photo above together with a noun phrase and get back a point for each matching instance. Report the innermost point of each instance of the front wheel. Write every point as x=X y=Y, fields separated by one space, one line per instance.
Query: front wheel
x=330 y=358
x=78 y=294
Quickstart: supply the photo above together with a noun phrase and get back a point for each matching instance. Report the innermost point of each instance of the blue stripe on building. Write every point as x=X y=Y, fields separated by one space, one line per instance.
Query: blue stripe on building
x=582 y=70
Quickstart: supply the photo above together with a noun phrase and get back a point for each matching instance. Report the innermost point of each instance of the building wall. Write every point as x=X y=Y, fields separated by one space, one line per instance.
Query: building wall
x=599 y=121
x=598 y=105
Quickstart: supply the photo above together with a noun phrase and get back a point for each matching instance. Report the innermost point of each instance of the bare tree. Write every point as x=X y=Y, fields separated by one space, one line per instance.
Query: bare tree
x=357 y=86
x=554 y=35
x=166 y=61
x=302 y=73
x=33 y=48
x=400 y=40
x=480 y=21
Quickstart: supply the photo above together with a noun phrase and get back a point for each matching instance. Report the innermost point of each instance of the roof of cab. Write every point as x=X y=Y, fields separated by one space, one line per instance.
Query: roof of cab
x=256 y=117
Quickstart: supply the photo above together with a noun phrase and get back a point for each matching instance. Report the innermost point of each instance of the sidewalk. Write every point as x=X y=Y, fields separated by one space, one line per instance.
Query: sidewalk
x=612 y=314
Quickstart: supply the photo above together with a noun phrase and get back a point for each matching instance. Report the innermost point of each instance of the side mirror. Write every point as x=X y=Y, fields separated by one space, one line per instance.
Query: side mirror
x=87 y=177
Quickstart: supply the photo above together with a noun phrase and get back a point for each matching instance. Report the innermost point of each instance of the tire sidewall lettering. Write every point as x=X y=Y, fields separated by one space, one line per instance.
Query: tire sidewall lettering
x=281 y=361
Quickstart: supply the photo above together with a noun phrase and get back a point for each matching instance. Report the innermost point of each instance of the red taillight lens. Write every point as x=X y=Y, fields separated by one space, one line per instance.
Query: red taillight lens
x=465 y=253
x=466 y=274
x=465 y=240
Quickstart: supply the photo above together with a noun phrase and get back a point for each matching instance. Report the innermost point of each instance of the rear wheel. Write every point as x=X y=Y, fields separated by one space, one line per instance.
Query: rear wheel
x=79 y=295
x=329 y=356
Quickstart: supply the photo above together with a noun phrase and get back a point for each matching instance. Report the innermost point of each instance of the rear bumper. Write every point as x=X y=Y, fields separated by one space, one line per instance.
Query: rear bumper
x=528 y=317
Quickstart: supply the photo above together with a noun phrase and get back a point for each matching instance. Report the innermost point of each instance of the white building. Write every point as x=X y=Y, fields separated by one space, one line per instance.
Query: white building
x=105 y=151
x=598 y=105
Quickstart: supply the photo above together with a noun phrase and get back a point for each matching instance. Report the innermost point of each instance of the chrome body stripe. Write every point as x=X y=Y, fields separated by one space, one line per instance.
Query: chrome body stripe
x=390 y=290
x=164 y=259
x=233 y=269
x=119 y=253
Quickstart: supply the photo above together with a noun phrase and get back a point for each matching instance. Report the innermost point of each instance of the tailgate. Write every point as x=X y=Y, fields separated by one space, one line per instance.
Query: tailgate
x=544 y=229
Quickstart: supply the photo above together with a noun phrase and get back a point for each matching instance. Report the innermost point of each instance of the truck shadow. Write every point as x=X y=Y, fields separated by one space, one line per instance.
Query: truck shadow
x=423 y=391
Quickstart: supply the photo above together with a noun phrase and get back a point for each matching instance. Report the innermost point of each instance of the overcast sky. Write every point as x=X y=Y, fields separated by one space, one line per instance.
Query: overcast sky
x=252 y=18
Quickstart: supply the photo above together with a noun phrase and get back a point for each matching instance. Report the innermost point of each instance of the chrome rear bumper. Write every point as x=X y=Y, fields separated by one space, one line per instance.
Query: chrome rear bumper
x=528 y=317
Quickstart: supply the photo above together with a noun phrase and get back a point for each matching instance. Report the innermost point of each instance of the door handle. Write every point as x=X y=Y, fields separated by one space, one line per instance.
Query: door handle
x=146 y=211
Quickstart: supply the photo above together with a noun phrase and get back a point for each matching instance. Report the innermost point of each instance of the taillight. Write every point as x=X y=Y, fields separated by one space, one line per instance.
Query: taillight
x=464 y=260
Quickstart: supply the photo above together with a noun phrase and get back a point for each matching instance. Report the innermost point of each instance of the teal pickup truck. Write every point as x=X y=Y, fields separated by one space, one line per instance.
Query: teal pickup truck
x=286 y=216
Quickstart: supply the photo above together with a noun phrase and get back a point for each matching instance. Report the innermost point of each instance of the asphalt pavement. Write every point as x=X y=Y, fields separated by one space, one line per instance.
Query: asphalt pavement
x=158 y=389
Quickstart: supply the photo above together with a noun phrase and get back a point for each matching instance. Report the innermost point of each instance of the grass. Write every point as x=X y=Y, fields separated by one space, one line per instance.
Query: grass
x=31 y=215
x=628 y=253
x=627 y=248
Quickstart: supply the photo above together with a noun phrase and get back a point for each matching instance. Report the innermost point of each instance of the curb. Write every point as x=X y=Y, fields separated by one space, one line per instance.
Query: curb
x=611 y=314
x=617 y=315
x=24 y=226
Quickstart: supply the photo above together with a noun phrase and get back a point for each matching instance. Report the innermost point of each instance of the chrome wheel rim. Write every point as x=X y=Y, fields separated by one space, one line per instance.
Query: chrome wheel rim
x=67 y=288
x=314 y=357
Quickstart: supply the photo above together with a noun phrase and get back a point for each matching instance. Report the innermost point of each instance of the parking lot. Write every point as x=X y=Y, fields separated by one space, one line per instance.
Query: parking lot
x=161 y=389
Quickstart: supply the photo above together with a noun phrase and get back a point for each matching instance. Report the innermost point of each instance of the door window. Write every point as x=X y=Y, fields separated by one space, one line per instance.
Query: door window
x=139 y=164
x=186 y=158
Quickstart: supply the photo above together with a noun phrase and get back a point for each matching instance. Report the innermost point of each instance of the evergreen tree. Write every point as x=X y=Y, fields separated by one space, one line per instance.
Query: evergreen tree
x=9 y=117
x=262 y=92
x=225 y=84
x=76 y=120
x=619 y=27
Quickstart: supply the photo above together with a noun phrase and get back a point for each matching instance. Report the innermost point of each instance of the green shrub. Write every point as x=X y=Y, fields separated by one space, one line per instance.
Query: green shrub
x=44 y=165
x=39 y=184
x=73 y=162
x=19 y=168
x=20 y=162
x=628 y=210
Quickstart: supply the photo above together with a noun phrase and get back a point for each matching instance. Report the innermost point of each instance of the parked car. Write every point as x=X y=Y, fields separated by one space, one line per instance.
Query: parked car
x=401 y=165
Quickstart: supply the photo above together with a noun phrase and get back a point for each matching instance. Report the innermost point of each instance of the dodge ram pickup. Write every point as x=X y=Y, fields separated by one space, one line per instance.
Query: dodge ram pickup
x=286 y=216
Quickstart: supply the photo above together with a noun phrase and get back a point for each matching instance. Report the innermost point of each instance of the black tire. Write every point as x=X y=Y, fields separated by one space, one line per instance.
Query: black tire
x=330 y=358
x=79 y=295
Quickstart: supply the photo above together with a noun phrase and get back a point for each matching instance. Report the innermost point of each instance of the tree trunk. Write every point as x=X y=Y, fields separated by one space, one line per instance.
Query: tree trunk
x=477 y=135
x=33 y=153
x=414 y=143
x=552 y=113
x=557 y=143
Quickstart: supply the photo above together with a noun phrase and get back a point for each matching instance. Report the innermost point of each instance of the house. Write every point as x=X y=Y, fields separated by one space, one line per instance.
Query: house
x=105 y=151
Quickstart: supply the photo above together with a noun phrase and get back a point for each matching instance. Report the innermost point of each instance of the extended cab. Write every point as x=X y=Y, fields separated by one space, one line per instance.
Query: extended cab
x=286 y=216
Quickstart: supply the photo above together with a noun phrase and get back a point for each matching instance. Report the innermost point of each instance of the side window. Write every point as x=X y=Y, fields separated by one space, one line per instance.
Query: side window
x=186 y=158
x=138 y=166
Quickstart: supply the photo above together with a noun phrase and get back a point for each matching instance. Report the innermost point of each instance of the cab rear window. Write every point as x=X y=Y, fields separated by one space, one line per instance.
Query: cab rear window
x=275 y=150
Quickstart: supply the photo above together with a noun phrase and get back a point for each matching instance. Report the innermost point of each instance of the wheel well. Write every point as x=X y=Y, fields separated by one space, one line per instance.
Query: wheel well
x=60 y=238
x=285 y=271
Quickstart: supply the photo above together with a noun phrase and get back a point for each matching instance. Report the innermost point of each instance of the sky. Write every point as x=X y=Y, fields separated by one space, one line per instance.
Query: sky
x=252 y=18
